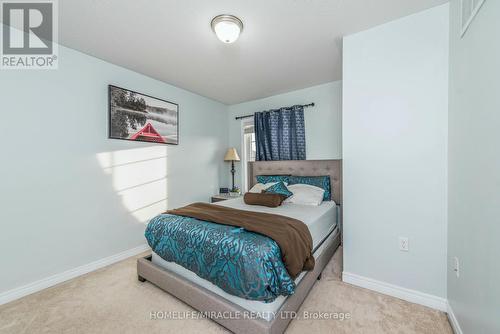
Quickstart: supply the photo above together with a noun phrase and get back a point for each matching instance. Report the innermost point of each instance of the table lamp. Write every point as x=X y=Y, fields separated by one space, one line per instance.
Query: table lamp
x=232 y=155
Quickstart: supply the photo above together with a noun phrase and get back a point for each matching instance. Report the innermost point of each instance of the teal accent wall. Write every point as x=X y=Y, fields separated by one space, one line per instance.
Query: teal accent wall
x=70 y=195
x=474 y=170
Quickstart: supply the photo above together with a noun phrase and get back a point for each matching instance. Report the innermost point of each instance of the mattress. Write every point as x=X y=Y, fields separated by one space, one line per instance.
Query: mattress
x=321 y=220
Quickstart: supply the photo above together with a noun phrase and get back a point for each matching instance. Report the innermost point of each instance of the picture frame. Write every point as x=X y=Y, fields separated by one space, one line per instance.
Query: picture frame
x=135 y=116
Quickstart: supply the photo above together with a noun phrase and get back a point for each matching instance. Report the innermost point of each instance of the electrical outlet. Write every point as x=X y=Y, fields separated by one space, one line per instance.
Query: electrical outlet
x=404 y=245
x=456 y=266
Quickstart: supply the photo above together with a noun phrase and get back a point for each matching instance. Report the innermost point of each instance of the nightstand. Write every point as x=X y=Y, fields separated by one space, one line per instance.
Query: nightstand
x=222 y=197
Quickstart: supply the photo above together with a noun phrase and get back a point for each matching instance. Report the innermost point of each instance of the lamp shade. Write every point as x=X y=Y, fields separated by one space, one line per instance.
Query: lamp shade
x=232 y=155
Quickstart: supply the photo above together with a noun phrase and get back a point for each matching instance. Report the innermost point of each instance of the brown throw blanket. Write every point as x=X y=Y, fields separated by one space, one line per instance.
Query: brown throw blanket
x=291 y=235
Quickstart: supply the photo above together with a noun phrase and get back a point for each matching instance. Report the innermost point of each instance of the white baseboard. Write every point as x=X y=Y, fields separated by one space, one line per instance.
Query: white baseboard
x=44 y=283
x=453 y=321
x=413 y=296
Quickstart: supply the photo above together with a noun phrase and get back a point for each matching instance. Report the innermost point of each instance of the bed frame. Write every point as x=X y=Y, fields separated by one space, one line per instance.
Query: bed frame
x=204 y=300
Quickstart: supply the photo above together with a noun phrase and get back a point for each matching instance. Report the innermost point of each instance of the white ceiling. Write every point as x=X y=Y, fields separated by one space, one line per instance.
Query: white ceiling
x=285 y=44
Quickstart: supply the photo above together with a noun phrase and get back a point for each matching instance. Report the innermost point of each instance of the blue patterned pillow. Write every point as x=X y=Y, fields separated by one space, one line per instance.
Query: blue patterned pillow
x=322 y=182
x=272 y=178
x=280 y=189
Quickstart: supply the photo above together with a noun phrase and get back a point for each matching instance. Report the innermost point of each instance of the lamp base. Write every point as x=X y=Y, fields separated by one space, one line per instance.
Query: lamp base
x=232 y=172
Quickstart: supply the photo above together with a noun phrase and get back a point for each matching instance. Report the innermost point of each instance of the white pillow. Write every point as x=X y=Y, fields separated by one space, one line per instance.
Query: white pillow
x=261 y=186
x=305 y=194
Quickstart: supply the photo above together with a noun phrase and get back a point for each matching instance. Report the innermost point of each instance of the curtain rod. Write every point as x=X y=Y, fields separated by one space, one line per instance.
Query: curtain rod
x=303 y=105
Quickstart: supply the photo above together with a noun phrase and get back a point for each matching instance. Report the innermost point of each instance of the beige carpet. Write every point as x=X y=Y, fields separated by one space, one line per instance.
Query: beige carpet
x=111 y=300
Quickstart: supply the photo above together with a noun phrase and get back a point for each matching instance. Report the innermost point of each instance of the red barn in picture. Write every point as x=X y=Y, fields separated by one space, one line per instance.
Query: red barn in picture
x=148 y=133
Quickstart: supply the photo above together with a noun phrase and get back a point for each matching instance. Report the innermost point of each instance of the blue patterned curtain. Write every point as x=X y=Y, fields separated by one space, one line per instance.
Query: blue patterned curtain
x=280 y=134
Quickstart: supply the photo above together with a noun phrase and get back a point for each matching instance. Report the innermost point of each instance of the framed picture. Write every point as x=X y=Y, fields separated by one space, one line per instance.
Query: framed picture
x=139 y=117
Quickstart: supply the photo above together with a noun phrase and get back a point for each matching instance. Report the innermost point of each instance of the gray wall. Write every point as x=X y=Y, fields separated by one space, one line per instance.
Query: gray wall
x=70 y=196
x=323 y=121
x=474 y=170
x=395 y=94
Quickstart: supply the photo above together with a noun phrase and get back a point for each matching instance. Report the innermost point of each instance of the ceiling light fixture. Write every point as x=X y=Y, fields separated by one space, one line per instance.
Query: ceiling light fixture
x=227 y=27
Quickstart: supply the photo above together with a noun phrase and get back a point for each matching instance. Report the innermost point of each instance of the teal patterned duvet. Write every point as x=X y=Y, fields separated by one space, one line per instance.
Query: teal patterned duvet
x=242 y=263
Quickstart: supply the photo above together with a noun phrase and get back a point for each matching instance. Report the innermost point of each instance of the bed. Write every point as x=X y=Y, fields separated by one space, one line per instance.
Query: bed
x=325 y=225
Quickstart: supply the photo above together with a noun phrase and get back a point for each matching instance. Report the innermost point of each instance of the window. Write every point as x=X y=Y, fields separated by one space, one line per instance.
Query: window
x=250 y=144
x=249 y=149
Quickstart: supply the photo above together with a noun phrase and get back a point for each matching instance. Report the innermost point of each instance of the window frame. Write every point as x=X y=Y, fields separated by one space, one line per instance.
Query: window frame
x=245 y=123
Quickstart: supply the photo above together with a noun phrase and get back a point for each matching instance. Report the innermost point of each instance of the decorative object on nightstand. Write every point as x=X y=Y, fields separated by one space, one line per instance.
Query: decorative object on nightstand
x=232 y=155
x=235 y=192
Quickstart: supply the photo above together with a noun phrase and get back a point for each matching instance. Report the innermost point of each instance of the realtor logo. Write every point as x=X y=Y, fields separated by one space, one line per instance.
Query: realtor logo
x=29 y=34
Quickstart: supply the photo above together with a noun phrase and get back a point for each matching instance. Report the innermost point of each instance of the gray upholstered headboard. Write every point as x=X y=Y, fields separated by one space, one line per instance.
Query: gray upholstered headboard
x=333 y=168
